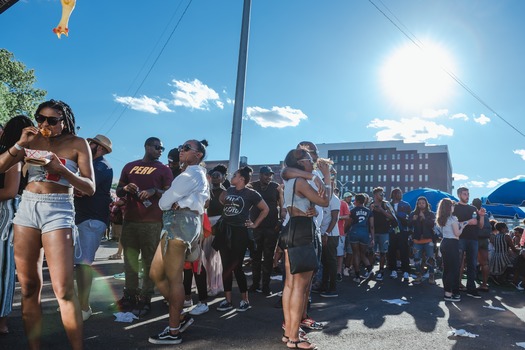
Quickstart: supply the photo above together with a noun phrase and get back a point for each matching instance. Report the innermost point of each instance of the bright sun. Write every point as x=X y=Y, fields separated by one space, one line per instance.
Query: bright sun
x=415 y=79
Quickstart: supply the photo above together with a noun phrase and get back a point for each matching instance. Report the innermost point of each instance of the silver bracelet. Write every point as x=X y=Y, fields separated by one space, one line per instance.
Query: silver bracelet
x=18 y=147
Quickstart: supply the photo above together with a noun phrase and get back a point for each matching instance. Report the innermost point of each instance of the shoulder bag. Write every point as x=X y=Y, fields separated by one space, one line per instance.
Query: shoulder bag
x=302 y=258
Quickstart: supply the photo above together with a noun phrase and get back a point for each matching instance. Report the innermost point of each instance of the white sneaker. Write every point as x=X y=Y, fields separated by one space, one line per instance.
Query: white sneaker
x=188 y=303
x=346 y=272
x=393 y=274
x=87 y=314
x=406 y=276
x=199 y=309
x=519 y=286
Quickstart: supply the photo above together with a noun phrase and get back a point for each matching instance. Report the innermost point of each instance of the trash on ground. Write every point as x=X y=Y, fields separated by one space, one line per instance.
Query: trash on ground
x=494 y=308
x=521 y=344
x=461 y=333
x=125 y=317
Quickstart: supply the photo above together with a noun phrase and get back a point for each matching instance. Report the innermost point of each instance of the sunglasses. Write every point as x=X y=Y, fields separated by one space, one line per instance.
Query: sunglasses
x=309 y=160
x=50 y=120
x=187 y=147
x=158 y=148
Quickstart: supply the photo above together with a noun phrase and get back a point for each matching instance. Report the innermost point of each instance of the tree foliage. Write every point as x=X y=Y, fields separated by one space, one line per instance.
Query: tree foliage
x=17 y=94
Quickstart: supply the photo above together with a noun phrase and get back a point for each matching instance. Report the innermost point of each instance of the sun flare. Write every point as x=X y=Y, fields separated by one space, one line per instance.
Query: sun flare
x=415 y=78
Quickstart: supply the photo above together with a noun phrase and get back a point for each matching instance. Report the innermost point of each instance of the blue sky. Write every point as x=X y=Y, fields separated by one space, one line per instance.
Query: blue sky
x=330 y=71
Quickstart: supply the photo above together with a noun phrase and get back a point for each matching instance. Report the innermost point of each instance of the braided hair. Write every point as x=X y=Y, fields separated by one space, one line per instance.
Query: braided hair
x=64 y=110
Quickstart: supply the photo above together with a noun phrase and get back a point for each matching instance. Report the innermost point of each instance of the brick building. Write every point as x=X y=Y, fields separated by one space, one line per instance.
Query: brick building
x=362 y=166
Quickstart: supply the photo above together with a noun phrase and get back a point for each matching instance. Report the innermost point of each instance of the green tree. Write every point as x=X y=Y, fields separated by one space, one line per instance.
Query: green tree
x=17 y=94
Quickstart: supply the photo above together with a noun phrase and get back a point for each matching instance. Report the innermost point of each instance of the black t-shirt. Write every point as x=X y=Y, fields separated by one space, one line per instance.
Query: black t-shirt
x=271 y=196
x=465 y=212
x=215 y=206
x=381 y=222
x=237 y=205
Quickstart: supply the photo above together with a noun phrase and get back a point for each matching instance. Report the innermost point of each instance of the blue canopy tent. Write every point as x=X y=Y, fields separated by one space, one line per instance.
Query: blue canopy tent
x=509 y=193
x=501 y=211
x=433 y=197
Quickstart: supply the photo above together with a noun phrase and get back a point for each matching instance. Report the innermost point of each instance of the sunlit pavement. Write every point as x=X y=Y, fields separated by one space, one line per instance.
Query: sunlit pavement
x=359 y=318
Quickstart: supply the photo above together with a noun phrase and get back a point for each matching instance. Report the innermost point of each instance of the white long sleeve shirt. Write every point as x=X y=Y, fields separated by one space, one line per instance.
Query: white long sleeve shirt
x=190 y=190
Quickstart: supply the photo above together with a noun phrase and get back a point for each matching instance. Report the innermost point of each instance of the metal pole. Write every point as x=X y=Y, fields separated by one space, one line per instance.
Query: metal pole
x=235 y=146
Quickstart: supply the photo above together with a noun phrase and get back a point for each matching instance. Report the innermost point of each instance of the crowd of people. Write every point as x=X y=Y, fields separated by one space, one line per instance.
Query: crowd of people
x=180 y=222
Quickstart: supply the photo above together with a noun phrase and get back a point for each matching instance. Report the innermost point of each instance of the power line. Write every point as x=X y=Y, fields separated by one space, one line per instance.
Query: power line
x=420 y=45
x=152 y=65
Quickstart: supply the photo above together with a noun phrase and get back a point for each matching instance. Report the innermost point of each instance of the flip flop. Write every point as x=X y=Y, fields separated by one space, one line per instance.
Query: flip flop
x=115 y=257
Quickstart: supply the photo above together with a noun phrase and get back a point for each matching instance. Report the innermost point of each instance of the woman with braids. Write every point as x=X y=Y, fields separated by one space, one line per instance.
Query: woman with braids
x=183 y=205
x=57 y=161
x=10 y=186
x=236 y=223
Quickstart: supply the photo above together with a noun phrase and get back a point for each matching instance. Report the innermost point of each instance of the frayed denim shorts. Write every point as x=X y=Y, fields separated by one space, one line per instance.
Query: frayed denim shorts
x=46 y=212
x=183 y=225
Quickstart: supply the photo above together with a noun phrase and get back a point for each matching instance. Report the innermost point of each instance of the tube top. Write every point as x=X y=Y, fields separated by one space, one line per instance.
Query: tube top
x=300 y=203
x=37 y=173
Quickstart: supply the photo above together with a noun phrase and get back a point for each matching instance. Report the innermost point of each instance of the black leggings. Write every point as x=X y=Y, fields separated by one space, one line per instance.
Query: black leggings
x=232 y=258
x=200 y=281
x=451 y=265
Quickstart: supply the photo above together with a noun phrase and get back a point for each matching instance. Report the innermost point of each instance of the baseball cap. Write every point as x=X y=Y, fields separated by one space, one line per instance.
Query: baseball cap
x=347 y=194
x=173 y=155
x=266 y=170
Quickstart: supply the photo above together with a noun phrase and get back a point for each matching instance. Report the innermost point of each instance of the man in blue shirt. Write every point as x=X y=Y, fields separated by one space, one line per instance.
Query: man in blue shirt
x=92 y=218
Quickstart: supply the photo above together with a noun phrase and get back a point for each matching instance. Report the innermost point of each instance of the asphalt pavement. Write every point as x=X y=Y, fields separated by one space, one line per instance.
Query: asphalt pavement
x=361 y=317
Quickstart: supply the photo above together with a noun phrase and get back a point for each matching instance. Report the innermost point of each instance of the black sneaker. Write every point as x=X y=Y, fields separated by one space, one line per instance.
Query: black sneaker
x=339 y=277
x=473 y=294
x=165 y=337
x=185 y=323
x=453 y=297
x=225 y=306
x=143 y=306
x=127 y=303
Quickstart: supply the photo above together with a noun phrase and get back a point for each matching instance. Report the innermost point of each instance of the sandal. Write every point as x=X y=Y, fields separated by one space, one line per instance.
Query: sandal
x=302 y=336
x=296 y=343
x=115 y=257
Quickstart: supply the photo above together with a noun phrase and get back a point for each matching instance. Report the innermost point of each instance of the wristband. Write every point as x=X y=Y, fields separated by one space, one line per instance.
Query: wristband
x=18 y=147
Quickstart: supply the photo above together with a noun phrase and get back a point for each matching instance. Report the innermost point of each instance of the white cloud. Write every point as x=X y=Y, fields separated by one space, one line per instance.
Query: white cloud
x=195 y=95
x=492 y=183
x=143 y=104
x=479 y=184
x=459 y=177
x=482 y=119
x=410 y=130
x=277 y=117
x=520 y=152
x=434 y=113
x=459 y=116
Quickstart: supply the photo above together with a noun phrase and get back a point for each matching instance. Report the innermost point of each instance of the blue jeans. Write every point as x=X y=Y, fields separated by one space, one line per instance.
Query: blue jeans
x=470 y=247
x=428 y=248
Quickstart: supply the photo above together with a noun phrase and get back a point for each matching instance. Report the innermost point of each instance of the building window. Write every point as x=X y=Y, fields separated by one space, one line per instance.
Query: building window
x=371 y=157
x=353 y=178
x=346 y=178
x=384 y=178
x=355 y=157
x=393 y=157
x=411 y=166
x=392 y=178
x=398 y=156
x=411 y=178
x=335 y=159
x=420 y=166
x=406 y=189
x=371 y=178
x=420 y=156
x=406 y=156
x=366 y=188
x=359 y=167
x=366 y=178
x=399 y=167
x=426 y=178
x=341 y=178
x=366 y=167
x=371 y=166
x=406 y=166
x=420 y=178
x=426 y=155
x=353 y=167
x=393 y=167
x=397 y=178
x=358 y=188
x=359 y=157
x=366 y=157
x=379 y=166
x=379 y=157
x=426 y=166
x=411 y=188
x=358 y=178
x=406 y=177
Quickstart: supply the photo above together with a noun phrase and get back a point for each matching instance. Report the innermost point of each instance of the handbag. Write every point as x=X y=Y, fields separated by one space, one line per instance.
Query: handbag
x=302 y=258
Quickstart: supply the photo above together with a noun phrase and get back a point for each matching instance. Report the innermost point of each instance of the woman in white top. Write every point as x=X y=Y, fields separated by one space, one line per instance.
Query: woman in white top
x=449 y=248
x=183 y=206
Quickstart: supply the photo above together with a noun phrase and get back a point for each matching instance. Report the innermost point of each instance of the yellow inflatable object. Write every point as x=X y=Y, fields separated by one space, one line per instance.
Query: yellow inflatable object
x=67 y=7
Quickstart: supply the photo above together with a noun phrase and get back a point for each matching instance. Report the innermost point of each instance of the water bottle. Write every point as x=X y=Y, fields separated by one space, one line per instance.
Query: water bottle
x=146 y=201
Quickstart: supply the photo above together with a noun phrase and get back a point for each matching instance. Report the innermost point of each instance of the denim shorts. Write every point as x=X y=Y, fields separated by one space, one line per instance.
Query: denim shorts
x=381 y=241
x=90 y=233
x=183 y=225
x=361 y=237
x=341 y=246
x=46 y=212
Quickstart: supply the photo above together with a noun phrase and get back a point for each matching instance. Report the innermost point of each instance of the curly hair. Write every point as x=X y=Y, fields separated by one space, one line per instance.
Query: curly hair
x=64 y=110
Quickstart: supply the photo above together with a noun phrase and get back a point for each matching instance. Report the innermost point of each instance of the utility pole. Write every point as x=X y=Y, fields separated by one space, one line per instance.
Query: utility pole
x=238 y=108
